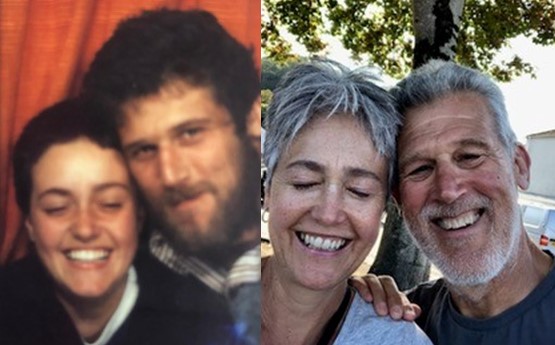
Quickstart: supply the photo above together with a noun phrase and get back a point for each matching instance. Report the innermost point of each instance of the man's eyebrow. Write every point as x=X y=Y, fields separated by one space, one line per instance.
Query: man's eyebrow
x=404 y=161
x=474 y=142
x=128 y=148
x=467 y=142
x=178 y=128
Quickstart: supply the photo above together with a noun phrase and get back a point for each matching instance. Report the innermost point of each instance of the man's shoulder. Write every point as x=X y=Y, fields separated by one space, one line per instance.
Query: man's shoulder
x=427 y=292
x=517 y=325
x=431 y=297
x=175 y=308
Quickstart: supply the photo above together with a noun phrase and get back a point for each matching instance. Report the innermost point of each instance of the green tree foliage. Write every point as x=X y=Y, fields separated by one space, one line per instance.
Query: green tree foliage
x=272 y=72
x=380 y=32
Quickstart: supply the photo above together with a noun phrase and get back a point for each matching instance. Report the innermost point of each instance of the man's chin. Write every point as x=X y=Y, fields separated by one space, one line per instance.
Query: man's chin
x=193 y=239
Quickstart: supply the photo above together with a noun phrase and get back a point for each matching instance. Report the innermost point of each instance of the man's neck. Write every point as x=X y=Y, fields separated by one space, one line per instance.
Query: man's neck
x=225 y=257
x=517 y=280
x=217 y=258
x=222 y=258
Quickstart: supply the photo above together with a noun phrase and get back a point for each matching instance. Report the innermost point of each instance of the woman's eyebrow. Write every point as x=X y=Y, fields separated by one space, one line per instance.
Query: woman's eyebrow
x=108 y=185
x=54 y=191
x=307 y=164
x=361 y=172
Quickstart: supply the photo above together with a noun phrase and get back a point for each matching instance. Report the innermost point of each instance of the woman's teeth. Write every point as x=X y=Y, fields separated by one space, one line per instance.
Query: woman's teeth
x=87 y=255
x=320 y=243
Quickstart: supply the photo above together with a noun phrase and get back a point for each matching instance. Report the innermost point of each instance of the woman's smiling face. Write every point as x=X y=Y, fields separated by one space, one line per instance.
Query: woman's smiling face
x=83 y=218
x=325 y=200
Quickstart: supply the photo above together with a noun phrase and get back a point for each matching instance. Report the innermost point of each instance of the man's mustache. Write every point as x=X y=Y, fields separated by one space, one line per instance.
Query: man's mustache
x=173 y=196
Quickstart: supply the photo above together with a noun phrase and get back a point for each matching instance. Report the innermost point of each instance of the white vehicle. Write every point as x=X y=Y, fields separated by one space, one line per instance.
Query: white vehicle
x=539 y=221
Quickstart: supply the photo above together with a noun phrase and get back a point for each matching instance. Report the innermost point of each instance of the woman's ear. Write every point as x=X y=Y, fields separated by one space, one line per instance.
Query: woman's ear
x=30 y=229
x=265 y=206
x=266 y=190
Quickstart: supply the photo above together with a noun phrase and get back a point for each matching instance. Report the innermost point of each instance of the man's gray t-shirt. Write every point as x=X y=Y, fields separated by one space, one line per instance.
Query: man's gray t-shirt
x=362 y=326
x=528 y=322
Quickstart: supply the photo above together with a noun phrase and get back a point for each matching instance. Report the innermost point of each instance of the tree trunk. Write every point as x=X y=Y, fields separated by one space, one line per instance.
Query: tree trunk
x=398 y=256
x=436 y=25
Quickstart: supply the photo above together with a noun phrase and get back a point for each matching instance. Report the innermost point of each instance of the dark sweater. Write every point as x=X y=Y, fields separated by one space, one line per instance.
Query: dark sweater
x=170 y=309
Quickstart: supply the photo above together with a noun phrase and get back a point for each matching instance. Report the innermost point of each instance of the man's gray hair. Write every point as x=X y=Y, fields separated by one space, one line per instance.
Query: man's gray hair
x=439 y=78
x=327 y=88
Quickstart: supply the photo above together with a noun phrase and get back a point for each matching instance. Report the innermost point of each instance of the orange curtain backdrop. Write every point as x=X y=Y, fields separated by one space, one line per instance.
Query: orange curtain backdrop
x=45 y=48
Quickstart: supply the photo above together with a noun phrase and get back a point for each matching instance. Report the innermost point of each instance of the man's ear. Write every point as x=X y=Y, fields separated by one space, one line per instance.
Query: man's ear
x=30 y=229
x=522 y=166
x=254 y=124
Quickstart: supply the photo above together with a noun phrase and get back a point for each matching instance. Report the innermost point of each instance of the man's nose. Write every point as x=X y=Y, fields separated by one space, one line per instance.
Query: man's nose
x=448 y=183
x=329 y=210
x=171 y=166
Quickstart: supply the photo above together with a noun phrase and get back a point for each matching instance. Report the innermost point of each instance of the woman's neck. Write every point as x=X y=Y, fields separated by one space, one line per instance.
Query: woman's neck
x=292 y=314
x=90 y=315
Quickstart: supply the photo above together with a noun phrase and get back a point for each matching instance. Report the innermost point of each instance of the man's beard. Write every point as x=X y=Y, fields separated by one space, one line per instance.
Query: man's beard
x=473 y=269
x=230 y=220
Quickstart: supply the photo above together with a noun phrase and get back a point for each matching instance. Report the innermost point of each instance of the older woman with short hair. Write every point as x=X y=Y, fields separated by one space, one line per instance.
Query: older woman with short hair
x=329 y=148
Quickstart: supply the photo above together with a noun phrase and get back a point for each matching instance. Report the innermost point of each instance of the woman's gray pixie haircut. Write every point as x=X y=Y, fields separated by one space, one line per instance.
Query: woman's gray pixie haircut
x=439 y=78
x=327 y=88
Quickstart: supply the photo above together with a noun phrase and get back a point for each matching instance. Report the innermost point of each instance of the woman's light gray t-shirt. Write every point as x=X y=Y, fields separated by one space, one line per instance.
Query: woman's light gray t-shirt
x=362 y=326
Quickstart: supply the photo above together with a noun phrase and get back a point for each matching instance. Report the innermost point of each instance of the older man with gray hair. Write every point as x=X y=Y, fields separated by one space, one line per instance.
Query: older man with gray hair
x=459 y=172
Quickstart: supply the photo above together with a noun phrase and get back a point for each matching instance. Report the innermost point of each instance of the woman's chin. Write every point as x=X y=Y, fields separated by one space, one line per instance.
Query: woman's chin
x=321 y=281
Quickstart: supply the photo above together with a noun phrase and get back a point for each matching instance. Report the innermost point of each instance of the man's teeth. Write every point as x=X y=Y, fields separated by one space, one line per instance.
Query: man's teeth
x=319 y=243
x=461 y=221
x=87 y=255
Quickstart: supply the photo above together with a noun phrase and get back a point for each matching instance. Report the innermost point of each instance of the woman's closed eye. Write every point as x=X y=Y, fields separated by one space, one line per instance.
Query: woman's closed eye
x=55 y=210
x=111 y=206
x=303 y=185
x=358 y=192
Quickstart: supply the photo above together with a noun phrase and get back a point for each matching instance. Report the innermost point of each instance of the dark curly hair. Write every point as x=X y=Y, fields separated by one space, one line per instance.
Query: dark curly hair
x=161 y=46
x=60 y=123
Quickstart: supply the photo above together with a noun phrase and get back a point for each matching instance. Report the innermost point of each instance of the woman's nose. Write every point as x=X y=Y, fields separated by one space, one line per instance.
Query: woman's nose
x=329 y=210
x=85 y=227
